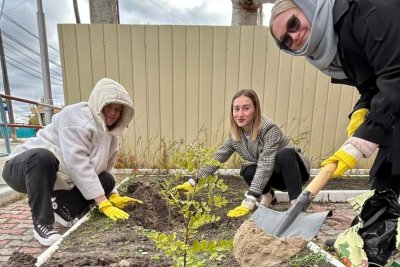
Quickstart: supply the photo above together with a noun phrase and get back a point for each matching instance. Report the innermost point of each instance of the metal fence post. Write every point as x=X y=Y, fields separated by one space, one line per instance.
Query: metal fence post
x=4 y=129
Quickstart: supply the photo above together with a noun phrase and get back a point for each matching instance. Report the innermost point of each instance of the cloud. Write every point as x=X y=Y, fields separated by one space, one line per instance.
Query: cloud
x=20 y=23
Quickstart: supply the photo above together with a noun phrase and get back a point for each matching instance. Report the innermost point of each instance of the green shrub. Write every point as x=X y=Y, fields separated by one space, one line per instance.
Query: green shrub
x=196 y=207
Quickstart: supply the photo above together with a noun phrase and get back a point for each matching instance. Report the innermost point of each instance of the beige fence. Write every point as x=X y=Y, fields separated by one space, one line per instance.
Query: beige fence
x=182 y=79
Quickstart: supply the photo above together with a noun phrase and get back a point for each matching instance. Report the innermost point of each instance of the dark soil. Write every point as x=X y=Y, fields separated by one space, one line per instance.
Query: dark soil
x=19 y=259
x=101 y=242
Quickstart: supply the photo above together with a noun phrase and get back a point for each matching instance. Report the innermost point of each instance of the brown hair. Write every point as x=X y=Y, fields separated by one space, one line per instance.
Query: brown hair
x=250 y=93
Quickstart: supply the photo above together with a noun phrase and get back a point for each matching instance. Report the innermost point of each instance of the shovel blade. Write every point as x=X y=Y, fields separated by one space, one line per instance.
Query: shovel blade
x=305 y=225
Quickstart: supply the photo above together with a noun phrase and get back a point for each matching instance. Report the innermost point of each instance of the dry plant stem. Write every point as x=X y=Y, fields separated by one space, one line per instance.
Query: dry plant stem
x=186 y=240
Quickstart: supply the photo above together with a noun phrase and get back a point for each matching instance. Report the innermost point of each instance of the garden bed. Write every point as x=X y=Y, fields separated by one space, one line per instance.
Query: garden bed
x=101 y=242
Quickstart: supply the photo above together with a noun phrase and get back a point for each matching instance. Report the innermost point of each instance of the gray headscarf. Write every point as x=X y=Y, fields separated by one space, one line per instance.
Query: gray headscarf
x=321 y=47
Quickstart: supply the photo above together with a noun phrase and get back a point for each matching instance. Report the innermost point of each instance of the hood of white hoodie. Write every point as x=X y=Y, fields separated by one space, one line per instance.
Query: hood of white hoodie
x=106 y=92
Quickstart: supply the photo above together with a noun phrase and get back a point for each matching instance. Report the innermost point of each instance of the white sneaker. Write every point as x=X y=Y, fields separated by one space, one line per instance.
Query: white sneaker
x=45 y=234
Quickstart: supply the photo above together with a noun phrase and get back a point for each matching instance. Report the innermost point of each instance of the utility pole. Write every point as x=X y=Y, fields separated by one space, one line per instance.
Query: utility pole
x=76 y=11
x=6 y=83
x=248 y=12
x=44 y=56
x=104 y=11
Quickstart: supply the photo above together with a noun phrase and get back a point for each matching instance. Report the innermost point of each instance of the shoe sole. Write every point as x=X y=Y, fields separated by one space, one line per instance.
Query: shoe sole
x=44 y=241
x=61 y=221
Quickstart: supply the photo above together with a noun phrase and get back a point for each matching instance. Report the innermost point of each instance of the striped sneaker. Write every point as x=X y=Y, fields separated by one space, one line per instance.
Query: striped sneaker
x=45 y=234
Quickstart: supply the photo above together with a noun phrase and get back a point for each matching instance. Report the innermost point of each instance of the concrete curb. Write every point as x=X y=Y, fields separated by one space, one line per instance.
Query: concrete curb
x=317 y=249
x=325 y=195
x=313 y=172
x=50 y=250
x=8 y=195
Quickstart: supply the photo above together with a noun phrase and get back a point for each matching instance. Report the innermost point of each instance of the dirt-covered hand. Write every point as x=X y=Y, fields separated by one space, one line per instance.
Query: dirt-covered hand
x=186 y=186
x=247 y=205
x=303 y=201
x=121 y=202
x=112 y=212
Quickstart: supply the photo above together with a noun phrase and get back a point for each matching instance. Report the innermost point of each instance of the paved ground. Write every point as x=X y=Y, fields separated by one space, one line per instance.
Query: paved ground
x=16 y=227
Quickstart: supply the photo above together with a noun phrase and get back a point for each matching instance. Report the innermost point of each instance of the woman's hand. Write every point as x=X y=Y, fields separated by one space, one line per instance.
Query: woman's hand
x=112 y=212
x=121 y=202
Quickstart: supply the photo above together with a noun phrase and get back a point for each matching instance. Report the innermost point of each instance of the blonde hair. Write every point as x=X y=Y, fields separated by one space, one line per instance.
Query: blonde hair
x=279 y=7
x=250 y=93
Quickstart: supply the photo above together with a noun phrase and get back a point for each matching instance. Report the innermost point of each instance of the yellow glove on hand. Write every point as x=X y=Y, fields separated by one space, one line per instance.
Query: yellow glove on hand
x=356 y=119
x=122 y=202
x=247 y=205
x=186 y=186
x=346 y=158
x=112 y=212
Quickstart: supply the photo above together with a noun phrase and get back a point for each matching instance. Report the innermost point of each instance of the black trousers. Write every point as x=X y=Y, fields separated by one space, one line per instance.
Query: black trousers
x=383 y=179
x=293 y=174
x=34 y=172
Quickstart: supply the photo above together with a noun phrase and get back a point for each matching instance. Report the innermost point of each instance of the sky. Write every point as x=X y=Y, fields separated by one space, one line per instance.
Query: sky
x=21 y=43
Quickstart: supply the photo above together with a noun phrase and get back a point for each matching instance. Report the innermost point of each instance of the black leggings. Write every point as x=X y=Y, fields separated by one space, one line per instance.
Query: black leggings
x=292 y=175
x=34 y=172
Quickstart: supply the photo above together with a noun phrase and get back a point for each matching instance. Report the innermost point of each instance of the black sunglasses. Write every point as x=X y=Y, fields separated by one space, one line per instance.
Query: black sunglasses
x=292 y=26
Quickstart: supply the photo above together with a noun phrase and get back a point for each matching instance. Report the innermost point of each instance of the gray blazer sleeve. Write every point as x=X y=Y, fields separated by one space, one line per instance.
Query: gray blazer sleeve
x=222 y=155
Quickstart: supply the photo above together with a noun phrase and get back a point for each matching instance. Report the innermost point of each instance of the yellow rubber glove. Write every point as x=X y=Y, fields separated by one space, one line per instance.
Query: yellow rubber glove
x=346 y=158
x=186 y=186
x=112 y=212
x=247 y=205
x=122 y=202
x=238 y=211
x=356 y=119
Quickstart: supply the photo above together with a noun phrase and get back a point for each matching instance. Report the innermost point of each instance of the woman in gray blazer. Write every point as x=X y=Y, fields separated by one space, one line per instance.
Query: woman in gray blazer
x=272 y=160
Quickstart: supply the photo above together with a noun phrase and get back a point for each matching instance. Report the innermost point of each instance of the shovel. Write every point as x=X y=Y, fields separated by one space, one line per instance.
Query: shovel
x=295 y=222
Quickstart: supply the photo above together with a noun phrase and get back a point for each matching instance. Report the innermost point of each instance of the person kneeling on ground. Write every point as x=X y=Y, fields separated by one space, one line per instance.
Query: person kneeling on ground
x=273 y=161
x=72 y=159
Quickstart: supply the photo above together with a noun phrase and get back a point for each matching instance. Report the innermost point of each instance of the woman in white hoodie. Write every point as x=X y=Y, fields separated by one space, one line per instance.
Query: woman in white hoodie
x=72 y=159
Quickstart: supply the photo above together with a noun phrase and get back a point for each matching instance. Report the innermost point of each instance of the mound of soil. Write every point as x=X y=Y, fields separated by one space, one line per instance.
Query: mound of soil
x=20 y=259
x=153 y=213
x=101 y=242
x=253 y=247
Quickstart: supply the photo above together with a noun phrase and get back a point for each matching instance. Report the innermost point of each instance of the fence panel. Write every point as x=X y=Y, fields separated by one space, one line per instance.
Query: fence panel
x=182 y=79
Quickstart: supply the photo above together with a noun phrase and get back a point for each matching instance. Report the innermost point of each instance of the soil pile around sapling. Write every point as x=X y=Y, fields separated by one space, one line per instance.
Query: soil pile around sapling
x=253 y=247
x=153 y=213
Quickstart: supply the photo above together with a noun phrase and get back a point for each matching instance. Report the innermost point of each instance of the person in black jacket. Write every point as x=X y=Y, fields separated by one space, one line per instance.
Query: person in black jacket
x=355 y=42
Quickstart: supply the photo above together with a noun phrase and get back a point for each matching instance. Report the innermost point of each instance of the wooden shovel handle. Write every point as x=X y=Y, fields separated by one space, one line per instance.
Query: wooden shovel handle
x=325 y=173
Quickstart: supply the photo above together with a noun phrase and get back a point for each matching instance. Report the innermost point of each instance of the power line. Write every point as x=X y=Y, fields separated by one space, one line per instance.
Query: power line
x=18 y=53
x=200 y=19
x=28 y=67
x=15 y=66
x=26 y=30
x=12 y=38
x=16 y=61
x=169 y=11
x=17 y=6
